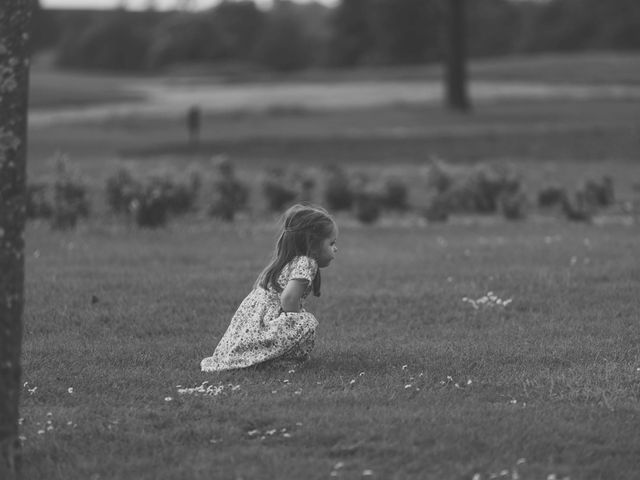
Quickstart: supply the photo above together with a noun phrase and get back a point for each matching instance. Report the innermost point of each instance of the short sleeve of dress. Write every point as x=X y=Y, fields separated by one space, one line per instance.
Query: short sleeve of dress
x=303 y=268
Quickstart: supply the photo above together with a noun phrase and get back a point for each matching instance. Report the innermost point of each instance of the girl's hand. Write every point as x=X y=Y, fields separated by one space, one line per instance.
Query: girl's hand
x=292 y=294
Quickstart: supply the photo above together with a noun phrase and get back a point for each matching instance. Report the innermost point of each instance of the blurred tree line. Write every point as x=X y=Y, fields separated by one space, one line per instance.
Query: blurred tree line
x=291 y=36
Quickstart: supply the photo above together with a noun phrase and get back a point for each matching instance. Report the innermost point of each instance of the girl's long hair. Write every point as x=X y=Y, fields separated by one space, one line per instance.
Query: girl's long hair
x=302 y=229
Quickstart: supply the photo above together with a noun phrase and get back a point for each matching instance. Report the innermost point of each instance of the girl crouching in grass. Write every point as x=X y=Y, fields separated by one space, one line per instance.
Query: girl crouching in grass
x=271 y=323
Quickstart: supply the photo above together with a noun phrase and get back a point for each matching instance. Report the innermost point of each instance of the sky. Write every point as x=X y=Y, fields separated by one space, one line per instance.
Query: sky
x=141 y=4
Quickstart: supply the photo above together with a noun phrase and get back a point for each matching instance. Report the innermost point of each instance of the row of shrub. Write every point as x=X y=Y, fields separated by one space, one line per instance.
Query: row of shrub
x=151 y=200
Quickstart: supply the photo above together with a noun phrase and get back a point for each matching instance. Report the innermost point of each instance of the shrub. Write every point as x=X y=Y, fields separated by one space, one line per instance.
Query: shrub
x=149 y=201
x=577 y=208
x=599 y=193
x=396 y=194
x=551 y=196
x=367 y=207
x=305 y=185
x=230 y=195
x=38 y=203
x=279 y=194
x=121 y=190
x=70 y=196
x=513 y=205
x=149 y=208
x=472 y=189
x=438 y=209
x=338 y=193
x=179 y=196
x=441 y=176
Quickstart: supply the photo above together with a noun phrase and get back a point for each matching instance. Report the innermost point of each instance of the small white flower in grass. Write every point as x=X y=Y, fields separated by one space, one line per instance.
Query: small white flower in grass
x=367 y=473
x=469 y=382
x=271 y=432
x=292 y=371
x=40 y=432
x=298 y=392
x=408 y=385
x=338 y=466
x=253 y=433
x=70 y=390
x=352 y=381
x=235 y=387
x=361 y=374
x=20 y=421
x=487 y=301
x=274 y=391
x=22 y=438
x=168 y=399
x=476 y=477
x=404 y=367
x=520 y=461
x=299 y=424
x=286 y=435
x=513 y=401
x=504 y=473
x=49 y=428
x=552 y=476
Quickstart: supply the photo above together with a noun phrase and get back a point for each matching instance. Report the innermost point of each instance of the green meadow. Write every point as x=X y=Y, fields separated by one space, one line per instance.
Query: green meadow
x=474 y=349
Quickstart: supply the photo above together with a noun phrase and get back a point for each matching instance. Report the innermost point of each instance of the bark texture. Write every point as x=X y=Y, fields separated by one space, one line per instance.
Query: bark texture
x=457 y=96
x=14 y=85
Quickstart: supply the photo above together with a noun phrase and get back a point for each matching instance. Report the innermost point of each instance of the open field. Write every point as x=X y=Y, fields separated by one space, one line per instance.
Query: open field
x=407 y=381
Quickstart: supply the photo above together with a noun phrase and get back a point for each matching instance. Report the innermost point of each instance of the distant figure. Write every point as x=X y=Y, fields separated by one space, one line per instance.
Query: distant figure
x=271 y=325
x=194 y=118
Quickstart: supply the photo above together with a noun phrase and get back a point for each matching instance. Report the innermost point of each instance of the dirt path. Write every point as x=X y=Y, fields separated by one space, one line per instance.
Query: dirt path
x=171 y=101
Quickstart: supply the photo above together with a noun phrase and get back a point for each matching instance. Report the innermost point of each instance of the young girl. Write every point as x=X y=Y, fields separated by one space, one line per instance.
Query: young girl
x=271 y=323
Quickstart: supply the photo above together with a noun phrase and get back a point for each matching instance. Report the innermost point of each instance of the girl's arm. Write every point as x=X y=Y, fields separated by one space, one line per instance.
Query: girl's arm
x=291 y=295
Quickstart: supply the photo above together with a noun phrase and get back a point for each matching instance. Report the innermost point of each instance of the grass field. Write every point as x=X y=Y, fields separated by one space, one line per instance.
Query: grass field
x=408 y=380
x=552 y=378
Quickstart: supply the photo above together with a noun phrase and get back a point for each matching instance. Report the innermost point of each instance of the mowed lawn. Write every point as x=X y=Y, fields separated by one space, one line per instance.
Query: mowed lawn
x=407 y=380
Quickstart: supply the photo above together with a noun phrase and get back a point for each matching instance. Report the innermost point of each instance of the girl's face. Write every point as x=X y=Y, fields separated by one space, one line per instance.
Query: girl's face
x=327 y=249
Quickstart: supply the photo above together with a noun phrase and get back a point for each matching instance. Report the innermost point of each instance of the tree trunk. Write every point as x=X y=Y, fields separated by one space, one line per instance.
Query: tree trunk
x=14 y=83
x=457 y=97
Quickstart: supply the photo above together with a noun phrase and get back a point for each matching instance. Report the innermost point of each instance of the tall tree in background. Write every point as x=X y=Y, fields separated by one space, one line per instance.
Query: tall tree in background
x=14 y=79
x=457 y=97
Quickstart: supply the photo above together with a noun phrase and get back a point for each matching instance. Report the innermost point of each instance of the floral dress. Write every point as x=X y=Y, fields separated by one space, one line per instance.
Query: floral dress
x=260 y=330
